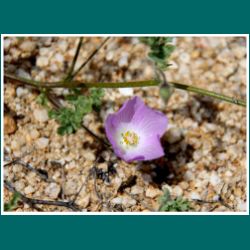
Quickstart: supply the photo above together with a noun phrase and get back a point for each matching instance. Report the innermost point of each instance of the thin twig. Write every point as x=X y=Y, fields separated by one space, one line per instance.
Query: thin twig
x=103 y=141
x=84 y=183
x=30 y=168
x=69 y=76
x=68 y=204
x=220 y=200
x=90 y=57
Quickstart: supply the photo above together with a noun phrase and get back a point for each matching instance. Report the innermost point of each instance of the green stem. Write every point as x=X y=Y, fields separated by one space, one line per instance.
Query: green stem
x=72 y=67
x=148 y=83
x=208 y=93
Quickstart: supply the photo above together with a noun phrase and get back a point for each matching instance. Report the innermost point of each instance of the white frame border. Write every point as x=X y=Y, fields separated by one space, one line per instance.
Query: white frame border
x=125 y=213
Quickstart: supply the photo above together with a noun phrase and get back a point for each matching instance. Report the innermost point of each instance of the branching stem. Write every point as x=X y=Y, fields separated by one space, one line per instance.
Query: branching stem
x=147 y=83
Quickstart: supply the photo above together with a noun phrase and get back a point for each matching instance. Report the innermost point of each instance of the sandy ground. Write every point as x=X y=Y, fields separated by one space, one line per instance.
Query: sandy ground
x=205 y=143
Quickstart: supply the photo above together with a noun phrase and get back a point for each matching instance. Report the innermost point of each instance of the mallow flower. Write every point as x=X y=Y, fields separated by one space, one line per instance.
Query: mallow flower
x=135 y=131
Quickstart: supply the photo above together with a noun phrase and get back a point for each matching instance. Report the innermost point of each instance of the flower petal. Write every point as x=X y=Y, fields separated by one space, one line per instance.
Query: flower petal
x=127 y=111
x=150 y=150
x=147 y=123
x=150 y=121
x=110 y=130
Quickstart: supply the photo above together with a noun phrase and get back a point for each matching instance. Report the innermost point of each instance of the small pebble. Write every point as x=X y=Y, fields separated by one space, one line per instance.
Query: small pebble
x=136 y=190
x=41 y=115
x=123 y=60
x=194 y=196
x=70 y=187
x=126 y=91
x=52 y=190
x=29 y=190
x=20 y=91
x=42 y=61
x=42 y=142
x=215 y=179
x=84 y=202
x=177 y=191
x=153 y=192
x=28 y=46
x=174 y=135
x=10 y=125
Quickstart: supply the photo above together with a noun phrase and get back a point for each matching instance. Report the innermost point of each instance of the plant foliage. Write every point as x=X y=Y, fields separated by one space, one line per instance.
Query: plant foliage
x=70 y=117
x=178 y=204
x=160 y=50
x=12 y=204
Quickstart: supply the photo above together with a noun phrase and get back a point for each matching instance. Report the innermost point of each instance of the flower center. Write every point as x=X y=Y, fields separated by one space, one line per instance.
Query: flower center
x=130 y=138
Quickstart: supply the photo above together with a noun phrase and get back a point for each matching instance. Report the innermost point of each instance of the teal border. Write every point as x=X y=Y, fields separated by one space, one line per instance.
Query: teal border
x=127 y=17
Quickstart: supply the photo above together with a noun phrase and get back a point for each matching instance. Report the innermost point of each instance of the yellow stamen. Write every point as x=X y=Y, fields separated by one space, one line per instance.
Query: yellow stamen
x=130 y=138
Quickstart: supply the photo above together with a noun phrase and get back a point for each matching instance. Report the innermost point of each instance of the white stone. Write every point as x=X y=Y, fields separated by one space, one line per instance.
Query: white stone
x=6 y=43
x=84 y=202
x=191 y=165
x=215 y=179
x=63 y=45
x=42 y=61
x=184 y=57
x=29 y=190
x=126 y=91
x=242 y=206
x=42 y=142
x=174 y=134
x=20 y=91
x=44 y=51
x=128 y=202
x=19 y=185
x=109 y=55
x=14 y=145
x=70 y=187
x=177 y=191
x=59 y=58
x=188 y=176
x=136 y=190
x=123 y=61
x=89 y=156
x=167 y=187
x=28 y=46
x=117 y=200
x=194 y=196
x=41 y=115
x=52 y=190
x=23 y=73
x=34 y=134
x=153 y=192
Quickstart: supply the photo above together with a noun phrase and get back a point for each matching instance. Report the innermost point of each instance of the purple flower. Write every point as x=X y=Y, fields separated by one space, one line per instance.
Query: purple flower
x=135 y=131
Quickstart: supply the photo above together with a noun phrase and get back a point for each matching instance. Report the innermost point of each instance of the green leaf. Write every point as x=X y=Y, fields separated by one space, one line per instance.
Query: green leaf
x=70 y=118
x=96 y=96
x=42 y=99
x=160 y=50
x=12 y=204
x=178 y=204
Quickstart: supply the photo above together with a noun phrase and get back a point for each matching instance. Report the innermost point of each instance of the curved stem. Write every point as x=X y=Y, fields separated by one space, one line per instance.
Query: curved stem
x=148 y=83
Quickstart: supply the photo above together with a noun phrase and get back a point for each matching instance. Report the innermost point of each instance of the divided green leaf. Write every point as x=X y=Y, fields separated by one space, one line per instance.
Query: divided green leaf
x=179 y=204
x=160 y=50
x=70 y=118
